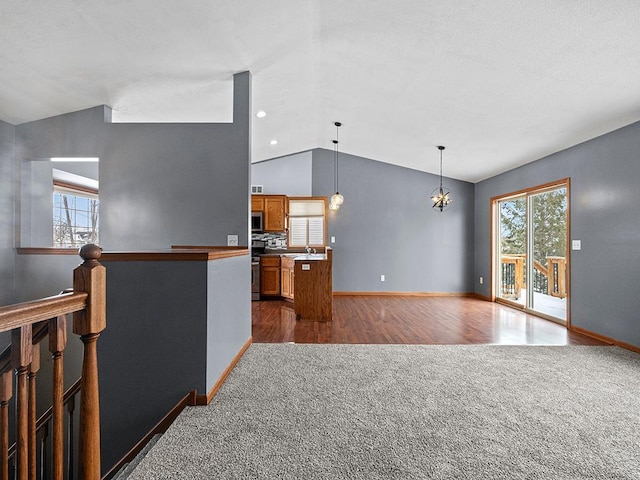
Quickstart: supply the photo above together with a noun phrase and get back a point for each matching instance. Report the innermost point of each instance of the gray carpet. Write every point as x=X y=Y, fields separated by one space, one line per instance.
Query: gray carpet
x=400 y=412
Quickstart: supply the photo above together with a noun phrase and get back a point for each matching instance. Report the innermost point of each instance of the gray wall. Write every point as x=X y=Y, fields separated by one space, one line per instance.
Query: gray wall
x=386 y=226
x=604 y=176
x=77 y=134
x=228 y=305
x=7 y=224
x=169 y=184
x=290 y=175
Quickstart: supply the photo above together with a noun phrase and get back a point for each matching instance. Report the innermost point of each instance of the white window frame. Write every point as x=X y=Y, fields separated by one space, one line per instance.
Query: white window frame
x=303 y=215
x=74 y=191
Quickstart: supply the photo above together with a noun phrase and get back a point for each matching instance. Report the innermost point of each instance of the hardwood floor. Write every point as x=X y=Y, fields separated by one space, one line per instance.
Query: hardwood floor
x=410 y=320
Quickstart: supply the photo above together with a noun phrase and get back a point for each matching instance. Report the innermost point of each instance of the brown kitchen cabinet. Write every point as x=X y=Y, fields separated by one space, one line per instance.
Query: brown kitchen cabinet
x=270 y=275
x=287 y=276
x=257 y=203
x=275 y=213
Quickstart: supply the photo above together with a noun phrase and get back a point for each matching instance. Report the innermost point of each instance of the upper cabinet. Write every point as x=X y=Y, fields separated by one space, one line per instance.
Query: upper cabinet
x=275 y=213
x=274 y=208
x=257 y=203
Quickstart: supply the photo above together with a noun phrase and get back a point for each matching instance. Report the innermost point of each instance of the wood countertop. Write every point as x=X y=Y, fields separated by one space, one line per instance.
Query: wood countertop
x=178 y=253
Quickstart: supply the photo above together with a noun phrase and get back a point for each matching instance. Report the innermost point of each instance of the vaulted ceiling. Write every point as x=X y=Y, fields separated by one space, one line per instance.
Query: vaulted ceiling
x=500 y=83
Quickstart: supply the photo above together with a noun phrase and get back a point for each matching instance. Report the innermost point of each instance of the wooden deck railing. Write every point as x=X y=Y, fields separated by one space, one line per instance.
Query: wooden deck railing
x=30 y=323
x=553 y=276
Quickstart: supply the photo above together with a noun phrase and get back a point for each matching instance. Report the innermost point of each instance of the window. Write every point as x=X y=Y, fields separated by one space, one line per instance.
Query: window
x=75 y=216
x=307 y=222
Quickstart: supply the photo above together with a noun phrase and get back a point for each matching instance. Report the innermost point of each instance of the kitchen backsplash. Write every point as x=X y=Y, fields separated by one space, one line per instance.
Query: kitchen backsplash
x=273 y=241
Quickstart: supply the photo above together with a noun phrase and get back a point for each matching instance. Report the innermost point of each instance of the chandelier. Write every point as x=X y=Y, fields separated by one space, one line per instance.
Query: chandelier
x=441 y=197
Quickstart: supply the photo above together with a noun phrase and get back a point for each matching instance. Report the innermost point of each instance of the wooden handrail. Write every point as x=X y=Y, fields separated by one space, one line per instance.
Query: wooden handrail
x=28 y=313
x=30 y=323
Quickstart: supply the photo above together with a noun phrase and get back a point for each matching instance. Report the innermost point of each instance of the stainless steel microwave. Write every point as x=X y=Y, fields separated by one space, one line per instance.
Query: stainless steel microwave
x=256 y=222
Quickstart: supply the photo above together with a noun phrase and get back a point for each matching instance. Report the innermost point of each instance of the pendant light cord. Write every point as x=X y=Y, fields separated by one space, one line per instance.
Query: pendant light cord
x=441 y=171
x=337 y=159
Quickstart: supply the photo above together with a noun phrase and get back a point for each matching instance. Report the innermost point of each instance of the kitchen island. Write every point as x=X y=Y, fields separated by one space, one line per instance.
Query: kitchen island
x=313 y=299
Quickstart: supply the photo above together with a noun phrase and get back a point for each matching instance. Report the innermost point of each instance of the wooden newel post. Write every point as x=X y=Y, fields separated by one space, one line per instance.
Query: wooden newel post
x=90 y=277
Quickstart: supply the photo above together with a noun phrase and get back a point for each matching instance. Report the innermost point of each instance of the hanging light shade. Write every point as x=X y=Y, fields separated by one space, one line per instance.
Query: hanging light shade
x=336 y=199
x=441 y=196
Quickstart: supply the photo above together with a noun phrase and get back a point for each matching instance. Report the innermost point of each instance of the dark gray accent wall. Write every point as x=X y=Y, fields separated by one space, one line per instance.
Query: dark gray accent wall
x=605 y=273
x=154 y=349
x=386 y=226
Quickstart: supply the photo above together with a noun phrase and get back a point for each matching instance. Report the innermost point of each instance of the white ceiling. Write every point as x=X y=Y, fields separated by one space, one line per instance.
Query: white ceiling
x=499 y=82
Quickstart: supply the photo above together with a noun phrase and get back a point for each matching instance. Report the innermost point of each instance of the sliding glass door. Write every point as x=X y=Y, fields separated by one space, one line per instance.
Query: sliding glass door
x=530 y=242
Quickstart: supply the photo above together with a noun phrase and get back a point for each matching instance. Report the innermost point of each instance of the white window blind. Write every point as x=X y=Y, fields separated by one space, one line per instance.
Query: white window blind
x=306 y=208
x=306 y=222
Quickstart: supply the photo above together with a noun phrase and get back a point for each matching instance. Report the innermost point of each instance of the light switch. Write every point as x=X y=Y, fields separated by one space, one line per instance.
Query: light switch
x=333 y=239
x=576 y=245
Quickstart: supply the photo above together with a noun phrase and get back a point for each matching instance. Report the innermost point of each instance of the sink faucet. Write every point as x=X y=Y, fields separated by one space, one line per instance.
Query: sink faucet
x=308 y=249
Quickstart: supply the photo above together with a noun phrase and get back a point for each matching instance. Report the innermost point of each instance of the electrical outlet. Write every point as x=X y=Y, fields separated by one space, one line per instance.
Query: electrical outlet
x=232 y=240
x=481 y=280
x=382 y=278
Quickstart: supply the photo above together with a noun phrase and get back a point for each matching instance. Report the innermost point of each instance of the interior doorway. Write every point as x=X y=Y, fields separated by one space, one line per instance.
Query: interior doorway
x=530 y=250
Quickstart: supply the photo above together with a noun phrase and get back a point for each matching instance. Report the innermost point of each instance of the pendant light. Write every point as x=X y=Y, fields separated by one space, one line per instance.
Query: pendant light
x=336 y=199
x=441 y=197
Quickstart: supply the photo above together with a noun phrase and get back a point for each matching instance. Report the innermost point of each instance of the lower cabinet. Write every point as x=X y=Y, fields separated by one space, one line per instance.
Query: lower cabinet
x=287 y=277
x=270 y=276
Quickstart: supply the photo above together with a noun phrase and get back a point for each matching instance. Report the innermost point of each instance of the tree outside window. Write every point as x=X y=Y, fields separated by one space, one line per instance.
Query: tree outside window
x=75 y=217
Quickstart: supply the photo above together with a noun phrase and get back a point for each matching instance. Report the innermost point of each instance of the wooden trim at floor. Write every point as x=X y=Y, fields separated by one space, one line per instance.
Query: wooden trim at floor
x=604 y=338
x=188 y=400
x=206 y=399
x=482 y=297
x=406 y=294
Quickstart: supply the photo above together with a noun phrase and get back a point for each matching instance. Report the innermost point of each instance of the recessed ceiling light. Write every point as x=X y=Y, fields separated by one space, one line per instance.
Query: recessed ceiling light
x=261 y=114
x=273 y=142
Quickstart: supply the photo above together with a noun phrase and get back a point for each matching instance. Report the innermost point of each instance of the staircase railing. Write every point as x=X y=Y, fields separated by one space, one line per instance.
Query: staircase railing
x=30 y=323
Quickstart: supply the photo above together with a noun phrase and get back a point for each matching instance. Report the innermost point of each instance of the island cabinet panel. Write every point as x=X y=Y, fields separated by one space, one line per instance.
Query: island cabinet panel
x=270 y=275
x=287 y=275
x=275 y=213
x=257 y=203
x=314 y=289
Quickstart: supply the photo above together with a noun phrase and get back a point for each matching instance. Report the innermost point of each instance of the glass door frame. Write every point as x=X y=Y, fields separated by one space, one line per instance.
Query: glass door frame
x=495 y=248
